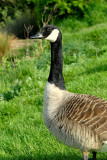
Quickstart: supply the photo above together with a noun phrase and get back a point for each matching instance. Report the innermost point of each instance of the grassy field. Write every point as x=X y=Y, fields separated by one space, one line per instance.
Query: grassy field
x=23 y=135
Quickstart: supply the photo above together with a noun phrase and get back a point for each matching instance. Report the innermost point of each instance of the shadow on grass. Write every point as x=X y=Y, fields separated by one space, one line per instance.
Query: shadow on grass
x=44 y=157
x=50 y=157
x=102 y=67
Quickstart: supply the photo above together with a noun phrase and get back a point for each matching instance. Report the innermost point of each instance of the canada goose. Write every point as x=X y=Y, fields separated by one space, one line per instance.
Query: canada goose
x=77 y=120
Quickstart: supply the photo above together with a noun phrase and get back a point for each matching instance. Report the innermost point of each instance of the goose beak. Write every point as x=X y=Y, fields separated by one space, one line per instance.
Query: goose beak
x=37 y=36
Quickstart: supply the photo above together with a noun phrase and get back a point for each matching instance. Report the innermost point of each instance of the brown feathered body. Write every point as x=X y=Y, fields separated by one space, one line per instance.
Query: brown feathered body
x=77 y=120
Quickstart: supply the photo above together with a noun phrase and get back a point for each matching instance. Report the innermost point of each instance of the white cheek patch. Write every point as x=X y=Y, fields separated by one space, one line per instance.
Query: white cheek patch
x=53 y=36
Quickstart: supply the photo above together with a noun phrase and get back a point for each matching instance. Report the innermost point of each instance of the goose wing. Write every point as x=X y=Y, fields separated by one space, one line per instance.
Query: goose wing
x=89 y=111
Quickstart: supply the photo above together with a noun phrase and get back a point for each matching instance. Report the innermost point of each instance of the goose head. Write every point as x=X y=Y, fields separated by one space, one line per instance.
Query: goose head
x=48 y=32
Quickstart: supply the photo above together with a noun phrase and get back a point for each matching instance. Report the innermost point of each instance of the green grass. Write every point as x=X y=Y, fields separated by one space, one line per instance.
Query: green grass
x=23 y=135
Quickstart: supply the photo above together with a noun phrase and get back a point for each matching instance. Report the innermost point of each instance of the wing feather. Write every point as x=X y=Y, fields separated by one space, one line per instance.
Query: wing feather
x=89 y=111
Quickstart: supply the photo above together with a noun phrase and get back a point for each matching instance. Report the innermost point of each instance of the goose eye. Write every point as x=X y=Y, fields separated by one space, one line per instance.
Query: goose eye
x=48 y=29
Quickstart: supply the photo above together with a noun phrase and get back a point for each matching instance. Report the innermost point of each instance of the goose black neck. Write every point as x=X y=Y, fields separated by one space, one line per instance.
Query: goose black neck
x=55 y=75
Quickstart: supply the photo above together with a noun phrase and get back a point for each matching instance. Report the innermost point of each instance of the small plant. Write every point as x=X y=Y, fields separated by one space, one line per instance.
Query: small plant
x=7 y=96
x=5 y=44
x=46 y=20
x=27 y=30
